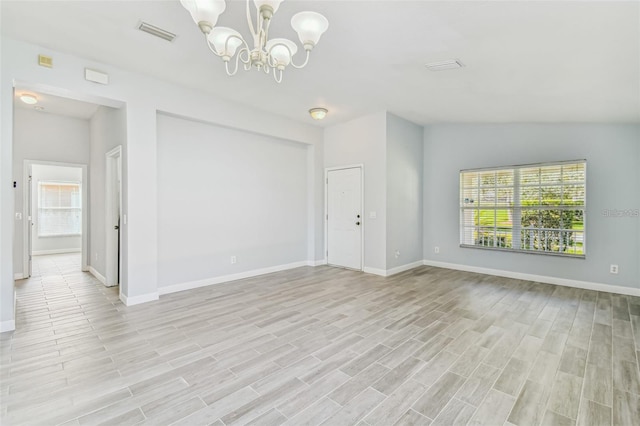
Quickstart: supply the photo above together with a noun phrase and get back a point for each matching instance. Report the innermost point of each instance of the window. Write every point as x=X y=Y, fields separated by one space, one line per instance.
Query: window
x=537 y=208
x=59 y=209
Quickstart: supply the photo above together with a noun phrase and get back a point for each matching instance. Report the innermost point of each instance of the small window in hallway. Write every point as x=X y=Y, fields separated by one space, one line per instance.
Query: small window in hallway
x=59 y=209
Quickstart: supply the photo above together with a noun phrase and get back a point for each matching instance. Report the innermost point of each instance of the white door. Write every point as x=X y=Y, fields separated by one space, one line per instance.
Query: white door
x=344 y=218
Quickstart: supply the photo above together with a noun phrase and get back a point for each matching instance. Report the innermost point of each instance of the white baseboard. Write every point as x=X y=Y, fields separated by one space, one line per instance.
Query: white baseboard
x=585 y=285
x=7 y=326
x=19 y=276
x=98 y=275
x=137 y=300
x=226 y=278
x=374 y=271
x=403 y=268
x=316 y=262
x=56 y=251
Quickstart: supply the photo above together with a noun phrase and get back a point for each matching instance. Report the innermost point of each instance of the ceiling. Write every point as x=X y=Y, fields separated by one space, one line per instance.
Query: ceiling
x=50 y=104
x=525 y=61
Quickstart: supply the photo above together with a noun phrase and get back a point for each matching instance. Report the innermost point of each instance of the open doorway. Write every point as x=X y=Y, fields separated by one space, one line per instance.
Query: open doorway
x=55 y=213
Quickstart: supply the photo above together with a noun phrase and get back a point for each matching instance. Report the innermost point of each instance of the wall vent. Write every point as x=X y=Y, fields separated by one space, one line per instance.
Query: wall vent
x=444 y=65
x=156 y=31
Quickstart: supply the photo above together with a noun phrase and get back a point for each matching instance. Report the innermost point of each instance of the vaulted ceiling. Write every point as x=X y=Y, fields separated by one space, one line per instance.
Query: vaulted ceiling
x=525 y=61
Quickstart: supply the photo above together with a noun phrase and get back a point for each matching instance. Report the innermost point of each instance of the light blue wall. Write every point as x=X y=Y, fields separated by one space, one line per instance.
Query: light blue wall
x=613 y=176
x=404 y=191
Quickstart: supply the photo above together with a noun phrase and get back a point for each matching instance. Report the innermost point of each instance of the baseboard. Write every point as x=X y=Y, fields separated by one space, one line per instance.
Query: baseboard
x=7 y=326
x=316 y=262
x=98 y=275
x=56 y=251
x=403 y=268
x=190 y=285
x=19 y=276
x=585 y=285
x=137 y=300
x=374 y=271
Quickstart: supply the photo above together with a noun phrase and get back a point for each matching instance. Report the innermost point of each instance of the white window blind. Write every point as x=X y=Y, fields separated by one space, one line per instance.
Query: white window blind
x=536 y=208
x=59 y=209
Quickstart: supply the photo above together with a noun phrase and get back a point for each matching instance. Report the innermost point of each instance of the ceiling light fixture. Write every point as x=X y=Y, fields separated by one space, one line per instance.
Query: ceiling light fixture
x=29 y=99
x=267 y=54
x=318 y=113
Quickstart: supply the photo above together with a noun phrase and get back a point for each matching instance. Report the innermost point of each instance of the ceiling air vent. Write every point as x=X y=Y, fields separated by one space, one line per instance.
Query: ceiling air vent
x=155 y=31
x=444 y=65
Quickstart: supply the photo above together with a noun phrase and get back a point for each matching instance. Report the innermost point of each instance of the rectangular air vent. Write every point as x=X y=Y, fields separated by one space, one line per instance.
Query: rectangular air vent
x=156 y=31
x=444 y=65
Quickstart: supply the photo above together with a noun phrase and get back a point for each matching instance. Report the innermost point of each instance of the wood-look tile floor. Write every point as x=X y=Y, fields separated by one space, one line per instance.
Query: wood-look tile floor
x=321 y=345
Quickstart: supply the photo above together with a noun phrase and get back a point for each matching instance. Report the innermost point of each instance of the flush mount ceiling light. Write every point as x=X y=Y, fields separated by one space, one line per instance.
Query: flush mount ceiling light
x=28 y=99
x=318 y=113
x=267 y=54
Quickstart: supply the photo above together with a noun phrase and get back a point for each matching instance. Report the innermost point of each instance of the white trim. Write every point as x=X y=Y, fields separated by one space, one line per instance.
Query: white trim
x=326 y=209
x=98 y=275
x=316 y=262
x=586 y=285
x=403 y=268
x=56 y=251
x=7 y=326
x=112 y=158
x=137 y=300
x=226 y=278
x=19 y=276
x=375 y=271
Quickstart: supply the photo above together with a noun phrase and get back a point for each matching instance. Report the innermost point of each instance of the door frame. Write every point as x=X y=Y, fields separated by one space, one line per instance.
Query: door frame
x=112 y=263
x=26 y=214
x=326 y=210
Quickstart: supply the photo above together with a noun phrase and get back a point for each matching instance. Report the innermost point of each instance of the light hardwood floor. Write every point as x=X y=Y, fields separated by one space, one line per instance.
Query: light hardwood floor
x=321 y=346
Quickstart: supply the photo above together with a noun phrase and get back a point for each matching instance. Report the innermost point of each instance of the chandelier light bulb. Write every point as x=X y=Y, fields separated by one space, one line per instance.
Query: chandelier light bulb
x=225 y=40
x=204 y=13
x=309 y=26
x=281 y=50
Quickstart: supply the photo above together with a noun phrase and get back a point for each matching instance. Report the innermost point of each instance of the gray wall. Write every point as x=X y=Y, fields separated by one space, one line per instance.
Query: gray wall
x=404 y=191
x=613 y=157
x=48 y=245
x=363 y=141
x=223 y=193
x=44 y=137
x=108 y=130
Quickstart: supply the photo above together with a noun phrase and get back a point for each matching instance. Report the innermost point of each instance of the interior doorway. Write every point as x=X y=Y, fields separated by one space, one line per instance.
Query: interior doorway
x=113 y=217
x=344 y=217
x=55 y=211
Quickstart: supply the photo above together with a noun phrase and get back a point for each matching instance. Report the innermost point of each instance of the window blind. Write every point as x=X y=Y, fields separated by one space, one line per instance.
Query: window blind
x=59 y=209
x=536 y=208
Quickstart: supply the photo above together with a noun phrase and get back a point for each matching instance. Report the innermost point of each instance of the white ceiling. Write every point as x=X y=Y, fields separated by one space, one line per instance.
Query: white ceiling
x=526 y=61
x=50 y=104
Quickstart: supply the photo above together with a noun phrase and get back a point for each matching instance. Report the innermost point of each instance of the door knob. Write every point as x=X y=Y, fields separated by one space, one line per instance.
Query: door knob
x=116 y=227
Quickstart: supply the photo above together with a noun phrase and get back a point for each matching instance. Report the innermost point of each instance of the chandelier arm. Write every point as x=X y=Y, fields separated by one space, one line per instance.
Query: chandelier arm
x=226 y=65
x=251 y=28
x=211 y=48
x=304 y=64
x=275 y=76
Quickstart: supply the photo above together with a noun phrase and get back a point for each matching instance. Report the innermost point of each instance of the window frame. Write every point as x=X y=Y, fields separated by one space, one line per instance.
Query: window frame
x=518 y=209
x=39 y=208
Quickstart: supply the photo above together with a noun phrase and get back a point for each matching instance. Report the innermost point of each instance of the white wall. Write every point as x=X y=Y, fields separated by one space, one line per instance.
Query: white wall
x=143 y=97
x=363 y=141
x=44 y=137
x=50 y=245
x=108 y=130
x=404 y=192
x=613 y=168
x=226 y=193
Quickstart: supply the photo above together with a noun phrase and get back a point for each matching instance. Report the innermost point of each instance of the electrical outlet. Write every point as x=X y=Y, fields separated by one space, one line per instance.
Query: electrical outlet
x=613 y=269
x=234 y=260
x=436 y=250
x=397 y=254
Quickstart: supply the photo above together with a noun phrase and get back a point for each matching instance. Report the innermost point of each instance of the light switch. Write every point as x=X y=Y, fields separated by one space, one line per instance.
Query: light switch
x=18 y=216
x=373 y=215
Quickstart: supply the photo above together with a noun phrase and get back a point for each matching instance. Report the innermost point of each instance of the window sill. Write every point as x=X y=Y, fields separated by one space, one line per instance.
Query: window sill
x=539 y=252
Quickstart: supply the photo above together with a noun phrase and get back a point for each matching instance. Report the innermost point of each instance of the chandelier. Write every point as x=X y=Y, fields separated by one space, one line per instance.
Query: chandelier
x=268 y=55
